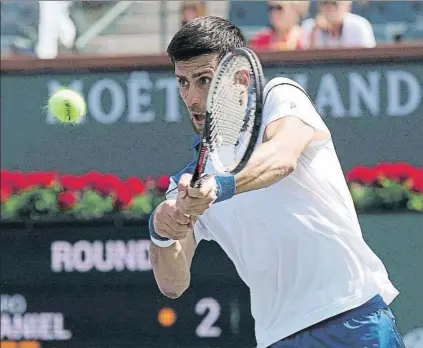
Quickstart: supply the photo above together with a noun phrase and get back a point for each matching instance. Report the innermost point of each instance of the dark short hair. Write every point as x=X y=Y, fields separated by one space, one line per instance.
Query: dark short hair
x=205 y=35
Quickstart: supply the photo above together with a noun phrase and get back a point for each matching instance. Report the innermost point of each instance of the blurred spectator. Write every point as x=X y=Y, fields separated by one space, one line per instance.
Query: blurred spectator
x=191 y=10
x=97 y=4
x=336 y=27
x=55 y=26
x=19 y=23
x=284 y=32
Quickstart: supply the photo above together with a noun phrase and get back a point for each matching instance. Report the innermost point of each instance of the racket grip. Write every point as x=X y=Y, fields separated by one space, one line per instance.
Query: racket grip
x=201 y=164
x=195 y=179
x=197 y=182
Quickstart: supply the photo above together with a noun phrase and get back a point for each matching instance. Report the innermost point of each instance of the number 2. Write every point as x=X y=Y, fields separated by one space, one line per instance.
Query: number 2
x=206 y=328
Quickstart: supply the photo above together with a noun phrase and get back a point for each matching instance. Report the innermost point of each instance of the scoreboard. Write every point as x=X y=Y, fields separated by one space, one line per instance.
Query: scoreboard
x=105 y=317
x=79 y=286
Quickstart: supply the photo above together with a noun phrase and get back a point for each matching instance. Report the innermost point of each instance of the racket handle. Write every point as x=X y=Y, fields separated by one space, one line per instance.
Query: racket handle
x=199 y=168
x=194 y=179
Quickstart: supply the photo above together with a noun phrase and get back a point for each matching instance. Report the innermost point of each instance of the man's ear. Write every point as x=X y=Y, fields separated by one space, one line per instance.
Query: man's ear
x=243 y=78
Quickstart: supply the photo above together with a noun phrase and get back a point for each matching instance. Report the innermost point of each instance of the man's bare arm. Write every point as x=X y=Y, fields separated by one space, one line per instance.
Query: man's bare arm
x=171 y=265
x=284 y=141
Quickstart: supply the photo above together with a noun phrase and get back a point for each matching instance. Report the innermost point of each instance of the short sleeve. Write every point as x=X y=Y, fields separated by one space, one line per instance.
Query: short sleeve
x=284 y=97
x=172 y=191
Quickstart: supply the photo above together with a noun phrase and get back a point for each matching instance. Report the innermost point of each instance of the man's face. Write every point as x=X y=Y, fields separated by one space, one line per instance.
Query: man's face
x=194 y=78
x=282 y=14
x=333 y=11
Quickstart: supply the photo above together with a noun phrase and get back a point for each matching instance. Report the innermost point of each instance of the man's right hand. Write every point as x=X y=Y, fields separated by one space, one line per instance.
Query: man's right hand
x=171 y=223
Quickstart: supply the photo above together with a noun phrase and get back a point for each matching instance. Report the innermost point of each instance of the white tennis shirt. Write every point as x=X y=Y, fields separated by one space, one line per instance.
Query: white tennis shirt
x=297 y=244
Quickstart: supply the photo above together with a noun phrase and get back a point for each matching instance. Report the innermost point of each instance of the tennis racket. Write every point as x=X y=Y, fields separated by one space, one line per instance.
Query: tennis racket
x=233 y=114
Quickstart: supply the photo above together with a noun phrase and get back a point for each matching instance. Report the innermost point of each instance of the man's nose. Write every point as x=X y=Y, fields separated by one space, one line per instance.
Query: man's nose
x=194 y=97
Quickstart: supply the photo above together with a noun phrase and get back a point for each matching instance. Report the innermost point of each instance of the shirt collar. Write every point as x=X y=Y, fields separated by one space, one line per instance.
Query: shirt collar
x=196 y=142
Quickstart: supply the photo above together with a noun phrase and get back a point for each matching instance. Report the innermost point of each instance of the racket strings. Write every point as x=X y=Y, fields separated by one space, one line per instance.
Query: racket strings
x=232 y=112
x=230 y=104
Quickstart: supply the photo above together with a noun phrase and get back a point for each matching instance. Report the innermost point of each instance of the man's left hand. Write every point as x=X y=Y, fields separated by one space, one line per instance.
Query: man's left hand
x=194 y=201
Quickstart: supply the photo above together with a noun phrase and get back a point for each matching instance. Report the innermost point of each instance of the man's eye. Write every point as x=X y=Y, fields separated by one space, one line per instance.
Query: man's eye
x=183 y=83
x=205 y=80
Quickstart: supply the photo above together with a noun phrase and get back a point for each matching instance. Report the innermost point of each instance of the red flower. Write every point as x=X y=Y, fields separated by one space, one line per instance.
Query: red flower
x=92 y=178
x=15 y=179
x=73 y=183
x=417 y=184
x=44 y=179
x=401 y=172
x=67 y=199
x=416 y=174
x=123 y=197
x=362 y=174
x=136 y=186
x=162 y=183
x=387 y=170
x=395 y=171
x=107 y=184
x=7 y=174
x=6 y=192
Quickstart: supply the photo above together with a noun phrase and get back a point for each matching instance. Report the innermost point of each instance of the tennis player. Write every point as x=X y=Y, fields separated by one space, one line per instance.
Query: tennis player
x=287 y=220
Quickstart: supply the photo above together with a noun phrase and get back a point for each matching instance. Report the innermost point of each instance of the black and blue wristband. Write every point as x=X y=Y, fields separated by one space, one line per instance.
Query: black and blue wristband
x=226 y=186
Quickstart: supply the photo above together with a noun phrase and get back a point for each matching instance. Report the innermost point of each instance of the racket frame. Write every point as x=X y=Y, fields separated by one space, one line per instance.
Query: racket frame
x=206 y=144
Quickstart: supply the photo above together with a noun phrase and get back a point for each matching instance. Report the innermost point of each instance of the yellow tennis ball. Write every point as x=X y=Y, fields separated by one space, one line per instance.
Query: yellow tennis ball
x=67 y=106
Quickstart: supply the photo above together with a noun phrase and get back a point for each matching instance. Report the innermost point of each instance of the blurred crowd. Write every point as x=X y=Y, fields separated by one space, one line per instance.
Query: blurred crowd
x=40 y=28
x=334 y=26
x=46 y=28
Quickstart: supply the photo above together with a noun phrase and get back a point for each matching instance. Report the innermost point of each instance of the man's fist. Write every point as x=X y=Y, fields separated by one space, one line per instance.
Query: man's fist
x=194 y=201
x=169 y=222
